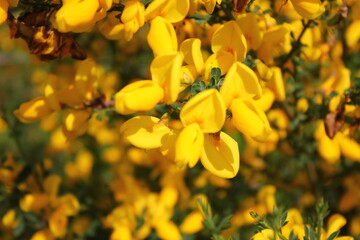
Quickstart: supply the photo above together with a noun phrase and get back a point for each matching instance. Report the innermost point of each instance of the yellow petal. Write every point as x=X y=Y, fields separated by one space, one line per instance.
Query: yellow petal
x=206 y=109
x=4 y=5
x=335 y=222
x=309 y=9
x=168 y=196
x=240 y=81
x=352 y=34
x=266 y=100
x=192 y=223
x=189 y=145
x=250 y=27
x=166 y=72
x=221 y=59
x=191 y=49
x=168 y=230
x=172 y=10
x=44 y=234
x=138 y=96
x=209 y=5
x=76 y=16
x=349 y=147
x=144 y=131
x=162 y=37
x=121 y=233
x=249 y=119
x=33 y=110
x=50 y=92
x=328 y=149
x=276 y=84
x=221 y=155
x=75 y=119
x=58 y=223
x=230 y=38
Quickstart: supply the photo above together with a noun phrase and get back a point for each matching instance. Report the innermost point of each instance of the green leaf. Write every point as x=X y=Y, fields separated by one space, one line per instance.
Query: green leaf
x=333 y=235
x=283 y=221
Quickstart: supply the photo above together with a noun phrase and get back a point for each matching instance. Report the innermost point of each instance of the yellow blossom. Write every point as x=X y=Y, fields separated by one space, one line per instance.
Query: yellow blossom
x=249 y=119
x=240 y=81
x=162 y=37
x=141 y=95
x=221 y=155
x=33 y=110
x=172 y=10
x=206 y=109
x=230 y=38
x=144 y=131
x=166 y=72
x=192 y=223
x=191 y=137
x=308 y=9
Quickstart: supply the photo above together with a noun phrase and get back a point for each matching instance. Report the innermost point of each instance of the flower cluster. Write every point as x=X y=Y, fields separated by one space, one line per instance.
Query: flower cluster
x=125 y=97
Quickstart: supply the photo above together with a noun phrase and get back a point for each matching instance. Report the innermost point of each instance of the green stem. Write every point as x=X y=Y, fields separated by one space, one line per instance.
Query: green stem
x=294 y=49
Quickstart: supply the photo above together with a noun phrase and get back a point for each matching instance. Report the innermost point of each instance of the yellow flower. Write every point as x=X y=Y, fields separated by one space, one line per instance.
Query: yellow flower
x=250 y=27
x=192 y=223
x=44 y=234
x=33 y=110
x=80 y=16
x=221 y=155
x=240 y=81
x=166 y=72
x=168 y=230
x=206 y=109
x=249 y=119
x=309 y=9
x=191 y=137
x=4 y=5
x=162 y=37
x=210 y=5
x=172 y=10
x=75 y=123
x=138 y=96
x=191 y=49
x=132 y=18
x=34 y=202
x=9 y=219
x=352 y=34
x=58 y=222
x=230 y=38
x=144 y=132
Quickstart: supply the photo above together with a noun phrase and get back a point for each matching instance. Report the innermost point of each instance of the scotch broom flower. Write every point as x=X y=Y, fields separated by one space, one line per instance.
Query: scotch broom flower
x=308 y=9
x=33 y=110
x=166 y=72
x=230 y=38
x=206 y=109
x=80 y=16
x=249 y=119
x=4 y=6
x=172 y=10
x=240 y=81
x=220 y=155
x=191 y=137
x=138 y=96
x=144 y=132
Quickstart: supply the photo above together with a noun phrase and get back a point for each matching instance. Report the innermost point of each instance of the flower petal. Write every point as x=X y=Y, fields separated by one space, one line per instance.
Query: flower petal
x=144 y=131
x=249 y=119
x=189 y=145
x=207 y=109
x=221 y=155
x=240 y=81
x=166 y=72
